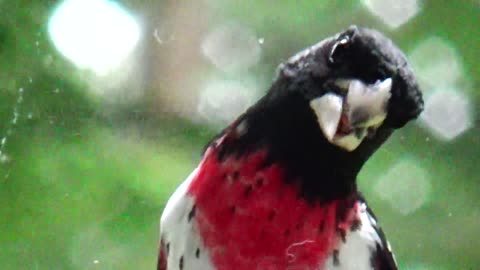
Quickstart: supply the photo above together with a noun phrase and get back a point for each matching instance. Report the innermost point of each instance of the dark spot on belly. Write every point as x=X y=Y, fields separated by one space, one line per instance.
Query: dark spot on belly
x=321 y=226
x=197 y=253
x=356 y=224
x=336 y=260
x=168 y=248
x=180 y=264
x=343 y=234
x=233 y=208
x=259 y=182
x=235 y=175
x=299 y=226
x=271 y=215
x=248 y=191
x=191 y=214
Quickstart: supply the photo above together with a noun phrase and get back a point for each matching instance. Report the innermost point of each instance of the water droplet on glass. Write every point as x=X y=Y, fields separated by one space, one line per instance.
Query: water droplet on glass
x=156 y=35
x=48 y=60
x=4 y=158
x=162 y=37
x=15 y=118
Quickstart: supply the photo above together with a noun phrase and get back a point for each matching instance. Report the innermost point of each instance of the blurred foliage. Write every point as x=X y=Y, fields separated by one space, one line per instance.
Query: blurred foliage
x=84 y=189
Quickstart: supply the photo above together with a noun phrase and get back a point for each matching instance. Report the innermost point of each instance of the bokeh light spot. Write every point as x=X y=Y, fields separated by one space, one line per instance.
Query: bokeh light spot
x=221 y=101
x=394 y=13
x=436 y=64
x=406 y=186
x=447 y=114
x=232 y=47
x=94 y=34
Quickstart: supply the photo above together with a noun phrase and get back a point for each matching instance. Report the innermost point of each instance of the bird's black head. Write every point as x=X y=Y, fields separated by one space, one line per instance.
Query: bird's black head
x=355 y=83
x=330 y=107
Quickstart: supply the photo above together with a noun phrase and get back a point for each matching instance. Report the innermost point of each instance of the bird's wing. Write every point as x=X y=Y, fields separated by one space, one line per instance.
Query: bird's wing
x=383 y=258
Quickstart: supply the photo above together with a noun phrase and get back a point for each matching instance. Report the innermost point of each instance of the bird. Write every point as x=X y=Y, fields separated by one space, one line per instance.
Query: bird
x=277 y=188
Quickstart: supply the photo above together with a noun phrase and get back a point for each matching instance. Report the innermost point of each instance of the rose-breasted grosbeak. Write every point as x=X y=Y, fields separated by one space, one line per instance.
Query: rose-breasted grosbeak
x=277 y=188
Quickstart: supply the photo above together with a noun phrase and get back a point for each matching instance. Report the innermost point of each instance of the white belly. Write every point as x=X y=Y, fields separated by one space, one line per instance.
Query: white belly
x=185 y=250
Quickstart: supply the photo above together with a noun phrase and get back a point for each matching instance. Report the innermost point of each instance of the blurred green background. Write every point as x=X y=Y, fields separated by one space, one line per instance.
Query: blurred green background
x=105 y=107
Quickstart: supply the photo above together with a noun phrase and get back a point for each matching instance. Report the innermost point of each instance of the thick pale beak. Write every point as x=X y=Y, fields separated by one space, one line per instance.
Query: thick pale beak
x=346 y=121
x=328 y=109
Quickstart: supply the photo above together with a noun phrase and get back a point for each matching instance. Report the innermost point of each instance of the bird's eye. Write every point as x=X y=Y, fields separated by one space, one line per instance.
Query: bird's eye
x=339 y=50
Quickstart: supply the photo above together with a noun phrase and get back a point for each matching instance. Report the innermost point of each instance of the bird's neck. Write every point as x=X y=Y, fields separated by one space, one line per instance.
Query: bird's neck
x=321 y=170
